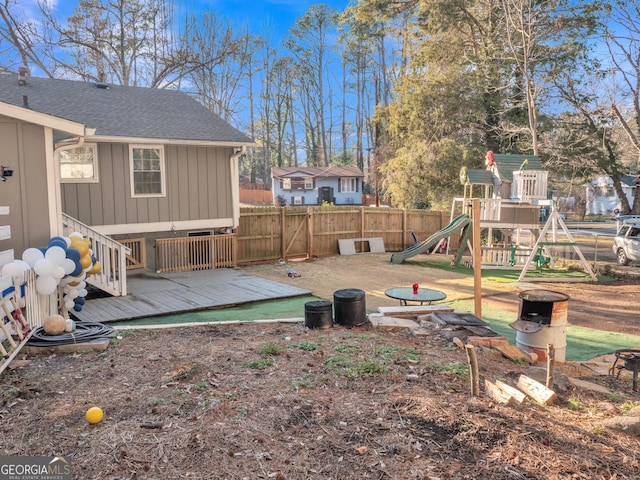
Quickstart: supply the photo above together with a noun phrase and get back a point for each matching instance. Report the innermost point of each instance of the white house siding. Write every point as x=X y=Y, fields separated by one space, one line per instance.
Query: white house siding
x=601 y=198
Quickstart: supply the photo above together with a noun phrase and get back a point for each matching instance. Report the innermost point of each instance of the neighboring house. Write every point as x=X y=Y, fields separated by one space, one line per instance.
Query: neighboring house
x=126 y=161
x=602 y=199
x=317 y=185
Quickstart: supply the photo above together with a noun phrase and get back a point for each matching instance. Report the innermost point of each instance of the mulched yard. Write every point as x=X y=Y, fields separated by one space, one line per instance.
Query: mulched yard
x=261 y=401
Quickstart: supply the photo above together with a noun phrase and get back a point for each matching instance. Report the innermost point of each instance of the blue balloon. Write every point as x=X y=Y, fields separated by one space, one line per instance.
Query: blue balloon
x=78 y=269
x=77 y=308
x=43 y=249
x=73 y=254
x=79 y=300
x=57 y=242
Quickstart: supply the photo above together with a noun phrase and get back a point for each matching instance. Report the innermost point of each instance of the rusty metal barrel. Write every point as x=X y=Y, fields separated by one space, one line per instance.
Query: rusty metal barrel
x=542 y=320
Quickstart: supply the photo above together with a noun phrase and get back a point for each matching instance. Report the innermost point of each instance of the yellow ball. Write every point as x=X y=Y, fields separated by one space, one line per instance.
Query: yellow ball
x=94 y=415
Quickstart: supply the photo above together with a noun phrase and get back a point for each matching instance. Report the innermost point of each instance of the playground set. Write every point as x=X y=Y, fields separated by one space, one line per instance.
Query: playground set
x=514 y=198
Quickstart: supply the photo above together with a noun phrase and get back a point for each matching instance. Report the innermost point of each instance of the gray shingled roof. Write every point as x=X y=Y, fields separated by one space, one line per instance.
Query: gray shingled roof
x=121 y=111
x=629 y=180
x=279 y=172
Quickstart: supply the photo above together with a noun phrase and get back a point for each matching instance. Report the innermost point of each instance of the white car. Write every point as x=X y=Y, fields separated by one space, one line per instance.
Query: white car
x=626 y=243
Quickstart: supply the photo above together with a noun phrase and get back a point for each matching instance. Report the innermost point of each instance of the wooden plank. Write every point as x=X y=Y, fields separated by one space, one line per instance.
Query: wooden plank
x=516 y=394
x=178 y=293
x=414 y=309
x=498 y=394
x=536 y=390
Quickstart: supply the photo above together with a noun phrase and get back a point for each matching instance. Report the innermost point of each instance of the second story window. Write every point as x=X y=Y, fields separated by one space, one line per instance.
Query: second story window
x=79 y=164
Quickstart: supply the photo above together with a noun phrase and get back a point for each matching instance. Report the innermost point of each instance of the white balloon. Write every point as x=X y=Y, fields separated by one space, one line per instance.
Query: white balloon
x=69 y=304
x=69 y=266
x=82 y=292
x=75 y=234
x=56 y=255
x=73 y=293
x=46 y=285
x=32 y=255
x=24 y=266
x=12 y=269
x=82 y=284
x=44 y=267
x=68 y=240
x=58 y=273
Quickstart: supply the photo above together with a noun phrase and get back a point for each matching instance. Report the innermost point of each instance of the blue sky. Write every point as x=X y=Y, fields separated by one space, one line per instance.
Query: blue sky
x=280 y=14
x=256 y=13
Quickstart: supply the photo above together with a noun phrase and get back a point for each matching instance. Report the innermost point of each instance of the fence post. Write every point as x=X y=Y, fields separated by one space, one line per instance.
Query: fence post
x=310 y=231
x=362 y=223
x=404 y=228
x=283 y=232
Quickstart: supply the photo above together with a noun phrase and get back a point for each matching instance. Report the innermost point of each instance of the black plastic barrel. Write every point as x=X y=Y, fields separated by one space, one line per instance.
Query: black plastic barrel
x=318 y=314
x=350 y=308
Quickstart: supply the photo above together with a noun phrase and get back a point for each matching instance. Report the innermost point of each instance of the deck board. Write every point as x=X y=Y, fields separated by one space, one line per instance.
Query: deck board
x=153 y=294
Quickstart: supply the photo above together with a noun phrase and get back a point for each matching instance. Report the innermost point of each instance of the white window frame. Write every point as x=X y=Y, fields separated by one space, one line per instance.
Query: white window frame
x=308 y=183
x=94 y=163
x=286 y=184
x=351 y=183
x=132 y=172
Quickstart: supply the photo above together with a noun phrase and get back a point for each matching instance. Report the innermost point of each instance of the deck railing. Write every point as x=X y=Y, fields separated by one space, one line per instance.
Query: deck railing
x=111 y=254
x=183 y=254
x=529 y=185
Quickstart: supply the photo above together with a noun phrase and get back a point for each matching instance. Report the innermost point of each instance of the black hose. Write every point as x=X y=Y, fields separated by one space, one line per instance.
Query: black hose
x=84 y=332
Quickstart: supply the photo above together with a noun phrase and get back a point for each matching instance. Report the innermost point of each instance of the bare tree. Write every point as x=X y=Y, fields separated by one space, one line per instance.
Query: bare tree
x=623 y=41
x=308 y=42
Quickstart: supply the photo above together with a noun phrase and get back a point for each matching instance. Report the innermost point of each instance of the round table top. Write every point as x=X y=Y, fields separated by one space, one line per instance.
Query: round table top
x=423 y=295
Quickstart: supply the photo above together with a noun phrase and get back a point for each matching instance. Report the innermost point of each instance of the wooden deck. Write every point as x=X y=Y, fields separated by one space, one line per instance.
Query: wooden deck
x=152 y=294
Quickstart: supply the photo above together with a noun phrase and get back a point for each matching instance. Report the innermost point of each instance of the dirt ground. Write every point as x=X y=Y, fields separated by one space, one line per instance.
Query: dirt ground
x=279 y=401
x=610 y=306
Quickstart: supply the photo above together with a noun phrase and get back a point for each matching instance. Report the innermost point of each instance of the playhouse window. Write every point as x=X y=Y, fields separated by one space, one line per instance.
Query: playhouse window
x=147 y=170
x=79 y=164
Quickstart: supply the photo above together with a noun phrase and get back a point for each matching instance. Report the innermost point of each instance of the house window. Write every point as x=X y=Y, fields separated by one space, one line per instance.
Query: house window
x=286 y=184
x=308 y=183
x=348 y=185
x=79 y=164
x=147 y=170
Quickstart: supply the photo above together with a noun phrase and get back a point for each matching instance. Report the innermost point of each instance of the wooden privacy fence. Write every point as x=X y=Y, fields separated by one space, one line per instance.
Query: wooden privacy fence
x=271 y=233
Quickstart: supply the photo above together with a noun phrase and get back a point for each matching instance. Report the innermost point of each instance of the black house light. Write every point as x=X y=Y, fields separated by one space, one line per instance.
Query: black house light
x=5 y=172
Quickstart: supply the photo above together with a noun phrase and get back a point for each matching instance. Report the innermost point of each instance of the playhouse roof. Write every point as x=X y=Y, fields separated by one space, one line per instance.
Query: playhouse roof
x=506 y=164
x=477 y=177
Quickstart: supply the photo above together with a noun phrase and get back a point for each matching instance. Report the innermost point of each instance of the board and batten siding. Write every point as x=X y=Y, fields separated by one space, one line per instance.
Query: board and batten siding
x=197 y=183
x=25 y=192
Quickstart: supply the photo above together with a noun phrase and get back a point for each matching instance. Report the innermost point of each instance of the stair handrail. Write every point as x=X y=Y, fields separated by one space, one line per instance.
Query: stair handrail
x=111 y=254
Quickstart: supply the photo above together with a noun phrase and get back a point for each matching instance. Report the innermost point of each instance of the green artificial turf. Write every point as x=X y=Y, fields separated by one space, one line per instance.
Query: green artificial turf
x=500 y=275
x=271 y=309
x=582 y=343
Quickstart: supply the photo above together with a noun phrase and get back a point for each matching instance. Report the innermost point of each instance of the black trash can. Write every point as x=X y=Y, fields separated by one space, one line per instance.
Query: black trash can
x=350 y=308
x=318 y=314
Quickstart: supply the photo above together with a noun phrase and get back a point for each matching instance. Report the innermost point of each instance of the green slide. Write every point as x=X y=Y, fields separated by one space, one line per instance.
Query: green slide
x=456 y=226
